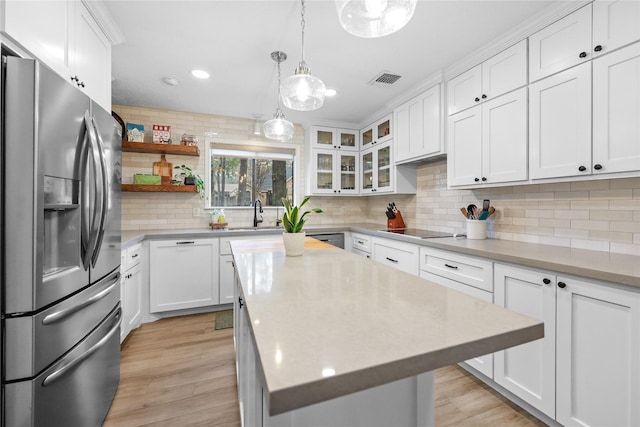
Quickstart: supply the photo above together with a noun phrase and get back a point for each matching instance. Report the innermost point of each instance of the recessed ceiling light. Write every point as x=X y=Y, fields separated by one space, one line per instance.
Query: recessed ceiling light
x=201 y=74
x=330 y=92
x=171 y=81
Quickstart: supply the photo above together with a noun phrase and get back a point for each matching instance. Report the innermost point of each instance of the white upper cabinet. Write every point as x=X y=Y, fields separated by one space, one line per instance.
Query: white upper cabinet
x=418 y=127
x=499 y=74
x=560 y=124
x=488 y=143
x=91 y=58
x=615 y=24
x=616 y=111
x=561 y=45
x=377 y=133
x=64 y=36
x=329 y=137
x=46 y=33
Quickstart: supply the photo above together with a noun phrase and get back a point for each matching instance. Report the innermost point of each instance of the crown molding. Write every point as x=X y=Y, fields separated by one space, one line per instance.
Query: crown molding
x=105 y=21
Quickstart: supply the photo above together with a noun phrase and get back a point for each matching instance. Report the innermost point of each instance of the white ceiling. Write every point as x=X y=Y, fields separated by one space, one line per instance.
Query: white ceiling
x=233 y=40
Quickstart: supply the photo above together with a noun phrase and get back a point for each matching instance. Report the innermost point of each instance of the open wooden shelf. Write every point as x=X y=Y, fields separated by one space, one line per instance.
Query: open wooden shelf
x=159 y=188
x=146 y=147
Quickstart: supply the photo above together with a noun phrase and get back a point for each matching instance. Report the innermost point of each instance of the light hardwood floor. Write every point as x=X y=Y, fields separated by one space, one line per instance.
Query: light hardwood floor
x=180 y=372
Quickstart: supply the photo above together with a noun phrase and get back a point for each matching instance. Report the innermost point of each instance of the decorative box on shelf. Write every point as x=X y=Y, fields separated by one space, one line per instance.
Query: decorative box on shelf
x=161 y=134
x=135 y=132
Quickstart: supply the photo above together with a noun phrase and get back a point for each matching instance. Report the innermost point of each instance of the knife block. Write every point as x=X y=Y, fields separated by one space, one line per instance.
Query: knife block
x=397 y=222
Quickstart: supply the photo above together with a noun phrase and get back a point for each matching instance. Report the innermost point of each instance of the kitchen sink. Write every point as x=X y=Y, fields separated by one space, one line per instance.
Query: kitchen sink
x=254 y=228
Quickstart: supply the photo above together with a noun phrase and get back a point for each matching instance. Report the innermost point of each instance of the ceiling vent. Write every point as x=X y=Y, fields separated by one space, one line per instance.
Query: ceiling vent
x=384 y=79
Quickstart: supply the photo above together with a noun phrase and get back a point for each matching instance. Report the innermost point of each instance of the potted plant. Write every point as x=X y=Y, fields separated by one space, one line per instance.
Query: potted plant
x=293 y=221
x=186 y=175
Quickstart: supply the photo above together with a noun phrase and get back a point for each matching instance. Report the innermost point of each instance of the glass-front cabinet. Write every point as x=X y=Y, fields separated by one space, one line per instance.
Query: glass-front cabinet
x=377 y=133
x=328 y=137
x=335 y=172
x=377 y=169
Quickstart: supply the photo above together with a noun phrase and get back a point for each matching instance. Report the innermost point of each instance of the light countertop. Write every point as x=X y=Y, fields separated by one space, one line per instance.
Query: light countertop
x=330 y=323
x=612 y=267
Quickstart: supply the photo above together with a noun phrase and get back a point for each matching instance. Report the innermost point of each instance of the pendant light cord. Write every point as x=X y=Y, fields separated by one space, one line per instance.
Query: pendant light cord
x=302 y=23
x=279 y=59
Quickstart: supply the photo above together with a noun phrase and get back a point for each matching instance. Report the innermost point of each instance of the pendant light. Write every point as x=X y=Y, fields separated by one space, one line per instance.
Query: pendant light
x=302 y=91
x=374 y=18
x=278 y=128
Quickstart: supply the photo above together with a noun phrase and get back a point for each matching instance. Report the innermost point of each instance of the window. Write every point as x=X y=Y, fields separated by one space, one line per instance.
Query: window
x=240 y=174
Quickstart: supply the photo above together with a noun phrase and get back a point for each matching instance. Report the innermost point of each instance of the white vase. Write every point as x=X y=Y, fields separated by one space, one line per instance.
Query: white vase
x=294 y=243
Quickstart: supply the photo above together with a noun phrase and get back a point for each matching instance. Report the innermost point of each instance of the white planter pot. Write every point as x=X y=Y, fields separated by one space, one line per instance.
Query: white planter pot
x=294 y=243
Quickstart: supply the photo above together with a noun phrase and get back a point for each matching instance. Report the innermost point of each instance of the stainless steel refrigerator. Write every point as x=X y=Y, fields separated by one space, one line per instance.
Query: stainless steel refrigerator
x=61 y=176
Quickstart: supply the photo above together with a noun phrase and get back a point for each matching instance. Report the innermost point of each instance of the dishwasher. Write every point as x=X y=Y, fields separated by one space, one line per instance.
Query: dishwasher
x=335 y=239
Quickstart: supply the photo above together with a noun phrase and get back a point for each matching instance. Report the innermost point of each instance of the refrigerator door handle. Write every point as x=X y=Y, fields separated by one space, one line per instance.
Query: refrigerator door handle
x=58 y=374
x=59 y=315
x=103 y=194
x=86 y=226
x=97 y=188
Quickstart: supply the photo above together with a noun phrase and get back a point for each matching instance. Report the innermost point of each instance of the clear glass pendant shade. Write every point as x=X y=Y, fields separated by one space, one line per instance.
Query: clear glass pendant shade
x=302 y=91
x=374 y=18
x=278 y=128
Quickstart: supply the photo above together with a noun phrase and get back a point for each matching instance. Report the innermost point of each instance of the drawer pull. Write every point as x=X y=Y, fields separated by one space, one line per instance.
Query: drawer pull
x=134 y=255
x=186 y=242
x=455 y=267
x=392 y=260
x=360 y=242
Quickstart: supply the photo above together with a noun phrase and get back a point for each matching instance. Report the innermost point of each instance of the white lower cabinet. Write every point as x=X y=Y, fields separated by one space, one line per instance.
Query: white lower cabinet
x=400 y=255
x=131 y=290
x=470 y=275
x=529 y=370
x=585 y=371
x=227 y=273
x=597 y=355
x=183 y=274
x=361 y=244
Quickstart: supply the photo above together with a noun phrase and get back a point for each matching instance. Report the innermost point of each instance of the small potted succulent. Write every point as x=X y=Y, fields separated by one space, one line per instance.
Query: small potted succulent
x=293 y=221
x=186 y=175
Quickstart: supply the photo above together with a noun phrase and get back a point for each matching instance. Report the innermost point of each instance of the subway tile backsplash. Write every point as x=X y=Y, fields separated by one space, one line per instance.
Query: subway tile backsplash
x=600 y=215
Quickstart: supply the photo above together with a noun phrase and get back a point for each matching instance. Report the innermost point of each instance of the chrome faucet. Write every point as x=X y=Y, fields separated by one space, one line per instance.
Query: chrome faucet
x=257 y=221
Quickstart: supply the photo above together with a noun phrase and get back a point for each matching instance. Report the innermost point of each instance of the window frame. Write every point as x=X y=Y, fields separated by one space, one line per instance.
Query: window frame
x=247 y=145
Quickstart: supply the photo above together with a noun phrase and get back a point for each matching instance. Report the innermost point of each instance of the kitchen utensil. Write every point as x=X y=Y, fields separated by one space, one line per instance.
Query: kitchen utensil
x=484 y=215
x=163 y=168
x=464 y=212
x=491 y=210
x=485 y=205
x=471 y=211
x=389 y=215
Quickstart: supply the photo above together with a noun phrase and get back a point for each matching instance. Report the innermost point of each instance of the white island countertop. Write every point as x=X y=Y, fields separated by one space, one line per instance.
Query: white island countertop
x=331 y=323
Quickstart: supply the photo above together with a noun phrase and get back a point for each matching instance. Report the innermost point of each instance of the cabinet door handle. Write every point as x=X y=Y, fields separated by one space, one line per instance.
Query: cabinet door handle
x=583 y=54
x=392 y=260
x=562 y=285
x=477 y=99
x=476 y=179
x=598 y=48
x=546 y=281
x=186 y=242
x=582 y=168
x=597 y=166
x=240 y=302
x=484 y=179
x=484 y=96
x=455 y=267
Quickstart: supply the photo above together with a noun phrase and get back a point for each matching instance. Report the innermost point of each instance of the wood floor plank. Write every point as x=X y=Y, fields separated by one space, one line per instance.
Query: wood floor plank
x=180 y=371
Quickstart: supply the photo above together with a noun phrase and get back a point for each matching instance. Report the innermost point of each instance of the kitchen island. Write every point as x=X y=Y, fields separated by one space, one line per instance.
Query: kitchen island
x=330 y=338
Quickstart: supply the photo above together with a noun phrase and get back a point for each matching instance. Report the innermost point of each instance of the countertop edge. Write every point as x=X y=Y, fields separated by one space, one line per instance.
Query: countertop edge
x=293 y=398
x=448 y=243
